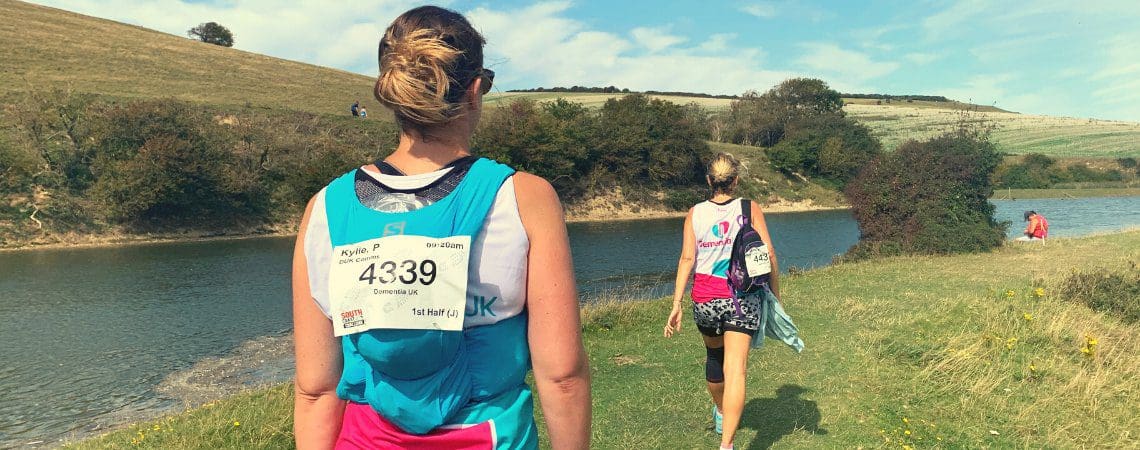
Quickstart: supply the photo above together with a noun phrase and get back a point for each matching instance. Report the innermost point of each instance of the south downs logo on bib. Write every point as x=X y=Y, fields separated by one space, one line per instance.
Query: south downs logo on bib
x=399 y=282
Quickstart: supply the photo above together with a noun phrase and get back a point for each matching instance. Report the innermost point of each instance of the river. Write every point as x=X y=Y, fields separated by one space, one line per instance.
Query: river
x=98 y=337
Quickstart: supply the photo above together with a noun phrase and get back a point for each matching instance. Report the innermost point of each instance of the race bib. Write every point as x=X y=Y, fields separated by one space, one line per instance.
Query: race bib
x=756 y=261
x=402 y=282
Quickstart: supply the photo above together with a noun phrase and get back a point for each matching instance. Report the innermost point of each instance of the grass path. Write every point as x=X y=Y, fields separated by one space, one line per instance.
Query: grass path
x=961 y=352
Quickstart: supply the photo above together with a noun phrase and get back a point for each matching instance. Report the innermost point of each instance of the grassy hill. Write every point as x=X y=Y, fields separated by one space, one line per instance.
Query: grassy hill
x=918 y=352
x=896 y=122
x=1063 y=137
x=47 y=47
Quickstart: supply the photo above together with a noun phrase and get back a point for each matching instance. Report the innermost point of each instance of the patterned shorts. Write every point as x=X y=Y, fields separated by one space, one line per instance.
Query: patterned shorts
x=718 y=315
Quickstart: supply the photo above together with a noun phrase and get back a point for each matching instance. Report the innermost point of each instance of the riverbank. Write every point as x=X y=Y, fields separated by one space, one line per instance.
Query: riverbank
x=574 y=214
x=949 y=352
x=1028 y=194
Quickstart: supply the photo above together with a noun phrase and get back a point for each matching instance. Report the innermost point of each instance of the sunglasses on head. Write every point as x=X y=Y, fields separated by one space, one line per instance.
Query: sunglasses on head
x=488 y=76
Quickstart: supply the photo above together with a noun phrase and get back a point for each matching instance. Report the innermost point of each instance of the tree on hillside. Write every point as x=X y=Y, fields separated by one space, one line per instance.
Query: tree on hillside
x=212 y=33
x=761 y=119
x=798 y=97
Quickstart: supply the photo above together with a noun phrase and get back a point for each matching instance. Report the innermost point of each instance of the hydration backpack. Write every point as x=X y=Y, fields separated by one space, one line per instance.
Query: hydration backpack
x=749 y=267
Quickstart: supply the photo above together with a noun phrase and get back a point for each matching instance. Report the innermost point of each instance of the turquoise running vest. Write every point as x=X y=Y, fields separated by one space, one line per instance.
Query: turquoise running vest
x=422 y=379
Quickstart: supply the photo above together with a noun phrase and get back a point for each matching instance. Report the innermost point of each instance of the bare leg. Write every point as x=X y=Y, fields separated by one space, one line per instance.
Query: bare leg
x=716 y=390
x=736 y=347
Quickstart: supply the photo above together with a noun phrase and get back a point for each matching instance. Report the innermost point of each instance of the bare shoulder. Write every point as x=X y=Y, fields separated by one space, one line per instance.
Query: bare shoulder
x=531 y=185
x=537 y=201
x=533 y=191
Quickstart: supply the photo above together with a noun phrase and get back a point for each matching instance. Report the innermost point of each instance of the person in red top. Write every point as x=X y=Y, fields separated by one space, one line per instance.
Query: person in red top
x=1037 y=229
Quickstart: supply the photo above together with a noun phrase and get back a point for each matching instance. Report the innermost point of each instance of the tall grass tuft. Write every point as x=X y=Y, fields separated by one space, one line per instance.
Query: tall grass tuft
x=1113 y=292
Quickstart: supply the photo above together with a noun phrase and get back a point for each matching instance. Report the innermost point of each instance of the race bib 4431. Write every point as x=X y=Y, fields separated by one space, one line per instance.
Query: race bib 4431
x=402 y=281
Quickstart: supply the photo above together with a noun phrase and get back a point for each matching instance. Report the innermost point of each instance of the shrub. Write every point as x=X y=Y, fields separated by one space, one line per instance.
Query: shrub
x=18 y=165
x=928 y=197
x=762 y=120
x=830 y=147
x=683 y=199
x=1114 y=292
x=1128 y=163
x=631 y=141
x=165 y=162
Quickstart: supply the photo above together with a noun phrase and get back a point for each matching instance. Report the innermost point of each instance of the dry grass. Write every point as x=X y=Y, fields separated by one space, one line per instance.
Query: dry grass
x=1014 y=133
x=46 y=47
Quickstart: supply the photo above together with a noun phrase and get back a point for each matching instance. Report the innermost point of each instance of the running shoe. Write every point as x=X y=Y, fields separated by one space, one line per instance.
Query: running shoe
x=718 y=421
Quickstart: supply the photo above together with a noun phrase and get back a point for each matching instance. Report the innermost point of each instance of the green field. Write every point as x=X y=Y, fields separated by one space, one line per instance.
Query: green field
x=973 y=351
x=1014 y=133
x=897 y=122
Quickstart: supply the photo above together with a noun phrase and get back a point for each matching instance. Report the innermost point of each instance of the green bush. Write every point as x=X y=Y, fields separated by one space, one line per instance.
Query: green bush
x=1114 y=292
x=631 y=141
x=763 y=119
x=1128 y=164
x=928 y=197
x=18 y=165
x=683 y=199
x=1042 y=172
x=830 y=148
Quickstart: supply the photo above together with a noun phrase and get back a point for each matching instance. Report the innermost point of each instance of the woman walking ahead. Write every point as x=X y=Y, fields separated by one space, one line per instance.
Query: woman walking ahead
x=425 y=285
x=727 y=324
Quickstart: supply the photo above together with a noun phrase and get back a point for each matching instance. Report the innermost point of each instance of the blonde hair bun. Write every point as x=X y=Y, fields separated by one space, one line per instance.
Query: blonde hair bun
x=724 y=169
x=413 y=79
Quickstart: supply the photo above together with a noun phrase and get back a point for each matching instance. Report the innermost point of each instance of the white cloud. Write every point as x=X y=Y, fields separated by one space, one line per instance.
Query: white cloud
x=1006 y=91
x=716 y=43
x=538 y=45
x=986 y=89
x=1072 y=58
x=335 y=34
x=952 y=19
x=921 y=58
x=1119 y=77
x=761 y=10
x=848 y=68
x=655 y=39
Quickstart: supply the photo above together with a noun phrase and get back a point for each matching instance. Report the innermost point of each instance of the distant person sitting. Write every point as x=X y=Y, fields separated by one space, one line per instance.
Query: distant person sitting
x=355 y=108
x=1037 y=229
x=363 y=112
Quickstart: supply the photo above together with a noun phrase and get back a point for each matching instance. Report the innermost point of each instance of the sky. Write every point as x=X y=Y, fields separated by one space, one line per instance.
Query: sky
x=1052 y=57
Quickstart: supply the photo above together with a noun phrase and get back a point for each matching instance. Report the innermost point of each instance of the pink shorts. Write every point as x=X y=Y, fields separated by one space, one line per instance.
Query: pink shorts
x=363 y=428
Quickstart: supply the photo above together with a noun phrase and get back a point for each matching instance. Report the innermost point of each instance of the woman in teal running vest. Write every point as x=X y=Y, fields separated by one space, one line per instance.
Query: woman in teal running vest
x=427 y=285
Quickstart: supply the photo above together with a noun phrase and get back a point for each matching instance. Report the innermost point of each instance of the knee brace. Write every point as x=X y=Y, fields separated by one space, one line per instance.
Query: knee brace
x=714 y=365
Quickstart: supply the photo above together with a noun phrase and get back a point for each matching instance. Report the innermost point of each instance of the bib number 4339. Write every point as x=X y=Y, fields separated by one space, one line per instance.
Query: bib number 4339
x=399 y=282
x=408 y=271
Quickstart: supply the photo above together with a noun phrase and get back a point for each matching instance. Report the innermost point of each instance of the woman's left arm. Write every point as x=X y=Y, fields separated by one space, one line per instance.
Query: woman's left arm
x=554 y=332
x=761 y=227
x=317 y=412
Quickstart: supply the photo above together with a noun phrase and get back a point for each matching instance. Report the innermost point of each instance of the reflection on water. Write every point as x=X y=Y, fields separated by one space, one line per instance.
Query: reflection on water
x=98 y=337
x=89 y=333
x=1072 y=216
x=642 y=254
